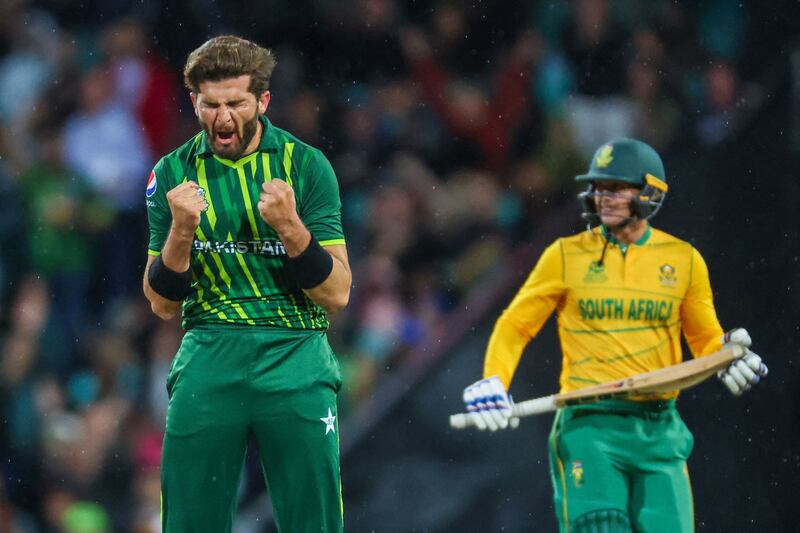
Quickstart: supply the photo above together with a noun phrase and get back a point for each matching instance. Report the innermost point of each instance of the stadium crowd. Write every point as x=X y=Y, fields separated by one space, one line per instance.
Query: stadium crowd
x=454 y=128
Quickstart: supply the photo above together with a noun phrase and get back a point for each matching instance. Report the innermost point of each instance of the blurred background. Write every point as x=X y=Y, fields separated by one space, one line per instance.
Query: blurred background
x=455 y=129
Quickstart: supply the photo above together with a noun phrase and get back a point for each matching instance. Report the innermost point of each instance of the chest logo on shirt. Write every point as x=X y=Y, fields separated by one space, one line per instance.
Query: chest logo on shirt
x=667 y=276
x=151 y=184
x=271 y=248
x=596 y=273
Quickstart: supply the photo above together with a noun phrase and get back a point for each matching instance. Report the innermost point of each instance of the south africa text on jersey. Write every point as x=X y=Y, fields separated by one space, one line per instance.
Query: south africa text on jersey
x=268 y=247
x=618 y=309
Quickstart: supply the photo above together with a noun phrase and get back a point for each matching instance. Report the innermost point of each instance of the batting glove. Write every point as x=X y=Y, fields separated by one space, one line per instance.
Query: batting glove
x=489 y=405
x=746 y=371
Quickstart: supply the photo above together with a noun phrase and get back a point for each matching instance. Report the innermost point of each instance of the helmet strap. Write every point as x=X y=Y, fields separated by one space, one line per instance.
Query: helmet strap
x=603 y=253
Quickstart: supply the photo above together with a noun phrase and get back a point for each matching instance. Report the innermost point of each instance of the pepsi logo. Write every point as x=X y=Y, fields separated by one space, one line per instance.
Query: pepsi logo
x=151 y=184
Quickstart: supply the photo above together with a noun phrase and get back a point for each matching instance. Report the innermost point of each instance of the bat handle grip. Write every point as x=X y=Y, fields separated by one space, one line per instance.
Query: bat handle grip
x=460 y=421
x=536 y=406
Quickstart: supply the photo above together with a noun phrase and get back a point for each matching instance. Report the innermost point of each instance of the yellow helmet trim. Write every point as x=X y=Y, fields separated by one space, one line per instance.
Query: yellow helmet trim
x=659 y=184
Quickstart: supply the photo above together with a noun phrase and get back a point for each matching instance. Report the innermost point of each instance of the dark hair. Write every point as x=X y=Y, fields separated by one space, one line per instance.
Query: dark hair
x=226 y=57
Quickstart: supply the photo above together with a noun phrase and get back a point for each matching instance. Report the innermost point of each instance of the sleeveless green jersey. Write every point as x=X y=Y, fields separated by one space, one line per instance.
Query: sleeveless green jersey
x=238 y=264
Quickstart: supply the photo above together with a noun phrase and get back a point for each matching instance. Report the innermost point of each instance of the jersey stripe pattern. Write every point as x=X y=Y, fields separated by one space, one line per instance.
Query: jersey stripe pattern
x=238 y=263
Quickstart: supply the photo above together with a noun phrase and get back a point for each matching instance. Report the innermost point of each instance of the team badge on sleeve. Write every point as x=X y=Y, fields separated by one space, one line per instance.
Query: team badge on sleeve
x=151 y=184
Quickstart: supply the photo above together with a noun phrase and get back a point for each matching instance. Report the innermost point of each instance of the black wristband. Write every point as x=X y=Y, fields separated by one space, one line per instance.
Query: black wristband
x=312 y=266
x=175 y=286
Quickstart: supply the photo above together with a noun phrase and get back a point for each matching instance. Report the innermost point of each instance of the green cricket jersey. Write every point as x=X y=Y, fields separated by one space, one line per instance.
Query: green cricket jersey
x=238 y=263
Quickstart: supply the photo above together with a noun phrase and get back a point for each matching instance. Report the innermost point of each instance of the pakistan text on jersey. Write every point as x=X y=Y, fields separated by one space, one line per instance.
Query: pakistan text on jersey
x=271 y=248
x=619 y=309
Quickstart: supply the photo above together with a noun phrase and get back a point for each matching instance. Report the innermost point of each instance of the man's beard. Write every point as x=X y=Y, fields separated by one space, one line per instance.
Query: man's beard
x=233 y=151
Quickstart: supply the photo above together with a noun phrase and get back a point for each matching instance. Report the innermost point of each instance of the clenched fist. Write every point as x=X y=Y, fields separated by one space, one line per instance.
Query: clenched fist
x=186 y=201
x=277 y=205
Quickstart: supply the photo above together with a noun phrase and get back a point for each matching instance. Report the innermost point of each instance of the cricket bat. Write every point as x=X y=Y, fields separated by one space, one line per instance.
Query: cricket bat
x=671 y=378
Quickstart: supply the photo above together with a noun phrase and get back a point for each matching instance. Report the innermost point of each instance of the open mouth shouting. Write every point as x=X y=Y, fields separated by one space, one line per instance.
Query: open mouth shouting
x=225 y=138
x=229 y=141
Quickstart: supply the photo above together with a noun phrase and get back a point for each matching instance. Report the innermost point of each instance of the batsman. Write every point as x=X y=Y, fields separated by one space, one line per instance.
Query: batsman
x=246 y=238
x=624 y=292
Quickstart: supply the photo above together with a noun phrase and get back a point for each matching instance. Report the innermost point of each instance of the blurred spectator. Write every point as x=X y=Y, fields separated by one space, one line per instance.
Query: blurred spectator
x=365 y=26
x=146 y=452
x=33 y=37
x=85 y=517
x=12 y=518
x=554 y=82
x=656 y=116
x=379 y=315
x=303 y=115
x=12 y=238
x=85 y=455
x=717 y=123
x=535 y=186
x=449 y=30
x=402 y=124
x=482 y=130
x=674 y=29
x=147 y=515
x=374 y=35
x=143 y=82
x=22 y=390
x=596 y=47
x=59 y=98
x=356 y=150
x=162 y=347
x=104 y=141
x=393 y=221
x=65 y=513
x=63 y=216
x=560 y=156
x=720 y=27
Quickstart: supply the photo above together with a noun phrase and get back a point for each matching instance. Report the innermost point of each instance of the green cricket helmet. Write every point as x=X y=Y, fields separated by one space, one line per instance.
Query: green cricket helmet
x=629 y=161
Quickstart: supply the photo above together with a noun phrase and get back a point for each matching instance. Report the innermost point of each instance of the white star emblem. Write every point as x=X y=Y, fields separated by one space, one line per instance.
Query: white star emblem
x=329 y=422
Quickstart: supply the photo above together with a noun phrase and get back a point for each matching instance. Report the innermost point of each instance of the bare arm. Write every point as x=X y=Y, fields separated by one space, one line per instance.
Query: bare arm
x=277 y=208
x=333 y=293
x=186 y=206
x=161 y=307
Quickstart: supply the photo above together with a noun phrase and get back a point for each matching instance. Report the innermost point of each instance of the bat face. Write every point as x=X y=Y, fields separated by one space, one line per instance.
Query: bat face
x=668 y=379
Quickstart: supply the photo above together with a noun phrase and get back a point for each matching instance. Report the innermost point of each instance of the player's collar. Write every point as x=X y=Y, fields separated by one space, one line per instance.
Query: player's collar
x=613 y=240
x=268 y=143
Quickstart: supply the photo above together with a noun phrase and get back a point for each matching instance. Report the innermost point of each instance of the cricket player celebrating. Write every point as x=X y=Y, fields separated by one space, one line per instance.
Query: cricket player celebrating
x=624 y=291
x=246 y=236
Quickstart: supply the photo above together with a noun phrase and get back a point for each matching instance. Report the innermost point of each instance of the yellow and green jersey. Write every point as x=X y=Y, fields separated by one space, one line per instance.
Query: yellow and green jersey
x=238 y=263
x=617 y=319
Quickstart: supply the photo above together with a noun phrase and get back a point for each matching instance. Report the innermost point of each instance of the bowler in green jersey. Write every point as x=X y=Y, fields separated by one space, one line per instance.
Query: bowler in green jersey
x=246 y=239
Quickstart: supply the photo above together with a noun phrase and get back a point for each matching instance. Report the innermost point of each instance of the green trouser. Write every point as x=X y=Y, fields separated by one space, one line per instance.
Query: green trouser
x=280 y=385
x=625 y=460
